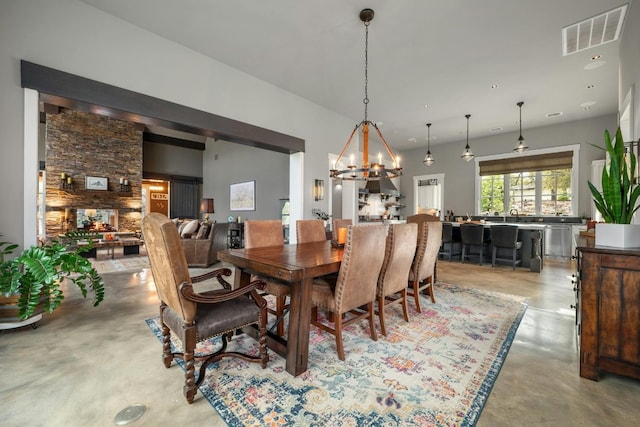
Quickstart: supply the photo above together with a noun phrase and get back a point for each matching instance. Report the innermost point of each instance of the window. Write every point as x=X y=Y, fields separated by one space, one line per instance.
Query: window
x=539 y=184
x=556 y=192
x=492 y=197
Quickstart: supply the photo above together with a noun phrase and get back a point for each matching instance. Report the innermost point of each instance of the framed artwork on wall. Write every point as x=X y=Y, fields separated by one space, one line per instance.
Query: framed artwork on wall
x=242 y=196
x=96 y=183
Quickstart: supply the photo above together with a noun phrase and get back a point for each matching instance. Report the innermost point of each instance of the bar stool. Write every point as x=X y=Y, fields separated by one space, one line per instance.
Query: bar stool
x=473 y=241
x=506 y=237
x=451 y=246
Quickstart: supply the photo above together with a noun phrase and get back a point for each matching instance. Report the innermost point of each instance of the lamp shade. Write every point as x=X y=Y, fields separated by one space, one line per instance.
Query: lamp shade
x=206 y=206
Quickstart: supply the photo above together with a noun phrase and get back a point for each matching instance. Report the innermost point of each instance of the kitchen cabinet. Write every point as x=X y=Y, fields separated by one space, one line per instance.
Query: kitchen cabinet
x=608 y=311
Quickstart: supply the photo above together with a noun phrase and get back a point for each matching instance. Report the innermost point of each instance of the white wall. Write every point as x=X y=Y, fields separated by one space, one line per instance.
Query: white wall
x=78 y=39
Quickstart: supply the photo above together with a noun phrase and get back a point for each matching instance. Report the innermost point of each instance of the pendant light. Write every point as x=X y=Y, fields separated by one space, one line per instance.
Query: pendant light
x=428 y=159
x=467 y=155
x=521 y=145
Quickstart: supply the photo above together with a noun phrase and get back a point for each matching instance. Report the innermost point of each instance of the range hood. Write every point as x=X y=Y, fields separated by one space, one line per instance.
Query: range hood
x=382 y=186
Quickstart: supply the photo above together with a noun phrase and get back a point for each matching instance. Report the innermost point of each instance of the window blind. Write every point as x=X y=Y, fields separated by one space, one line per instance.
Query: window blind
x=538 y=162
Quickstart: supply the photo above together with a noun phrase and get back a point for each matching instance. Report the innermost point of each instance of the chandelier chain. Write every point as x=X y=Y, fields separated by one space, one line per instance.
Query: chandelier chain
x=365 y=101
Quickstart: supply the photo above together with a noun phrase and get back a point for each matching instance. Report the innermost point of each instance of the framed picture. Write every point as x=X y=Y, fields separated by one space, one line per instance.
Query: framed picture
x=96 y=183
x=242 y=196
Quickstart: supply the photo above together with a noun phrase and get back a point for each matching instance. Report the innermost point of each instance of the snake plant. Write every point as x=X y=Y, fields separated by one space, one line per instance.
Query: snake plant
x=617 y=200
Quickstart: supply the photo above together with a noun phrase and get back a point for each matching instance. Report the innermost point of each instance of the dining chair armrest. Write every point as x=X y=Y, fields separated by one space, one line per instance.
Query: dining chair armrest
x=217 y=273
x=213 y=297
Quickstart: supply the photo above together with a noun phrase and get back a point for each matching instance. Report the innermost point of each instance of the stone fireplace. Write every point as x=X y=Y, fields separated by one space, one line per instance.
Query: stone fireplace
x=93 y=163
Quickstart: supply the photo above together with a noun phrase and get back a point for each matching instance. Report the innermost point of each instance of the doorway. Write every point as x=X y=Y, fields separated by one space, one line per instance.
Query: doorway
x=428 y=194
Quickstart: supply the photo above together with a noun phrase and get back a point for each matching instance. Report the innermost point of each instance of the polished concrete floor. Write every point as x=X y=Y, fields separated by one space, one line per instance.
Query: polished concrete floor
x=82 y=365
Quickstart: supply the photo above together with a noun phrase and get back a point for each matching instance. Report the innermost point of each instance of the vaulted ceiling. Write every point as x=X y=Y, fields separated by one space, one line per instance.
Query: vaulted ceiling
x=429 y=61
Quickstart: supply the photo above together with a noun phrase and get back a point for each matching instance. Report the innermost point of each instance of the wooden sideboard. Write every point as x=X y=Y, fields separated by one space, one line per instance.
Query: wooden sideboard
x=608 y=316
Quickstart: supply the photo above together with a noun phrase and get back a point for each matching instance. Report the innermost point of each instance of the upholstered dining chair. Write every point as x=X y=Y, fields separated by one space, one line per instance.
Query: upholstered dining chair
x=195 y=317
x=474 y=242
x=264 y=233
x=423 y=269
x=394 y=275
x=337 y=224
x=355 y=285
x=505 y=237
x=310 y=230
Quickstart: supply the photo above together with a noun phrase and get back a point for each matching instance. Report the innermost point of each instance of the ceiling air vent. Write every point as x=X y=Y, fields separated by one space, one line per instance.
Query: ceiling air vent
x=593 y=32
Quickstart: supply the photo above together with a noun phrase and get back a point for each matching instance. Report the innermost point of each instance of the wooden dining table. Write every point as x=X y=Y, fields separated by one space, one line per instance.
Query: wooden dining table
x=295 y=265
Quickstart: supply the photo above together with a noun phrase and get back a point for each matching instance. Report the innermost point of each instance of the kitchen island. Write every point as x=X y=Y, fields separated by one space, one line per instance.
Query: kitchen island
x=532 y=237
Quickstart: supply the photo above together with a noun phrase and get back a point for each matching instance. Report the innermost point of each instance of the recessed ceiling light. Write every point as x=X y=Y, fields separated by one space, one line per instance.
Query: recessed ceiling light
x=587 y=108
x=590 y=86
x=498 y=129
x=426 y=105
x=596 y=57
x=495 y=86
x=557 y=113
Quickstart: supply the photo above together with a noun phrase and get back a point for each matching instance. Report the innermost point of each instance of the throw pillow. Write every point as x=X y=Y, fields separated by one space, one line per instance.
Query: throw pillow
x=189 y=228
x=203 y=231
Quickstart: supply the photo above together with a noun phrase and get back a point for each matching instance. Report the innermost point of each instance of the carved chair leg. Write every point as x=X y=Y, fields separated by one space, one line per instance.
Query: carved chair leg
x=338 y=333
x=372 y=326
x=405 y=309
x=416 y=295
x=167 y=356
x=189 y=344
x=264 y=357
x=383 y=328
x=189 y=388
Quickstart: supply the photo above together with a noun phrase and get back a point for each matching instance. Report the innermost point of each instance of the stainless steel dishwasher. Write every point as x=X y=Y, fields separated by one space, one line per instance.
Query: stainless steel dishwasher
x=557 y=240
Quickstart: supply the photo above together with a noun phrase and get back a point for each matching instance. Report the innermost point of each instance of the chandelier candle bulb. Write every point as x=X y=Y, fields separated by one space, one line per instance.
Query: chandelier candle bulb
x=121 y=180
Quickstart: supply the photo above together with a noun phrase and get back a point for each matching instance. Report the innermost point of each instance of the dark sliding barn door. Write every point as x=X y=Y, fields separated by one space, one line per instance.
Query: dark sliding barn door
x=184 y=199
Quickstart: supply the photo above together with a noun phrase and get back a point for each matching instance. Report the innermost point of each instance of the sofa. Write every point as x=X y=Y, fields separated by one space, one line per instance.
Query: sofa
x=202 y=240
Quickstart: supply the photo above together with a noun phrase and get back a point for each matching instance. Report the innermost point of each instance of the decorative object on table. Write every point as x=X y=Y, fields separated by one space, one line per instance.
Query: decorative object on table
x=242 y=196
x=467 y=154
x=421 y=373
x=37 y=274
x=207 y=207
x=96 y=183
x=617 y=202
x=318 y=190
x=428 y=159
x=366 y=172
x=521 y=147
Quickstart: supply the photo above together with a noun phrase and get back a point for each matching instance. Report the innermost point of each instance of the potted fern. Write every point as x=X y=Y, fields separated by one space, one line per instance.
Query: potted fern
x=617 y=202
x=32 y=281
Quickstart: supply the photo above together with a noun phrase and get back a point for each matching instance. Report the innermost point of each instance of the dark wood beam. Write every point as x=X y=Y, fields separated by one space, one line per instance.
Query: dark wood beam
x=71 y=91
x=168 y=140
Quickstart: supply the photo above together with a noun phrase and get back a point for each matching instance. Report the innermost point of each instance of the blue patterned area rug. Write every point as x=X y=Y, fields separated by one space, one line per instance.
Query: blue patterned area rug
x=436 y=370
